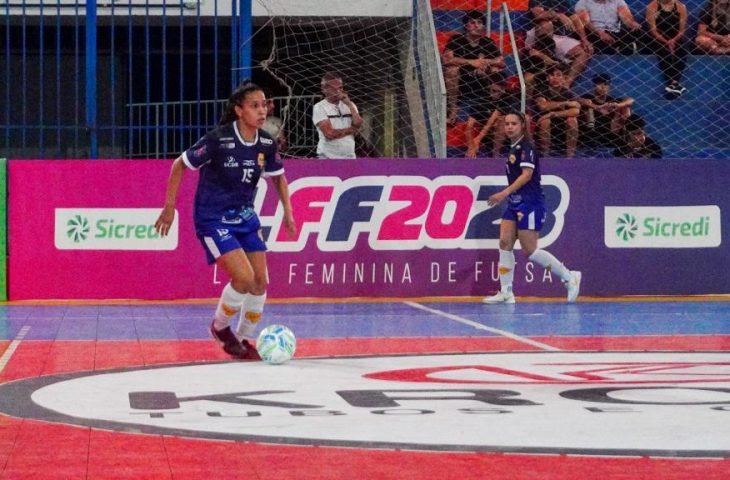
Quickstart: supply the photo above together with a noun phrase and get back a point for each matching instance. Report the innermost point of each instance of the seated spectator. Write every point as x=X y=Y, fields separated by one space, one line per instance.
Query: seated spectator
x=667 y=25
x=555 y=101
x=604 y=115
x=610 y=26
x=540 y=56
x=565 y=30
x=468 y=59
x=635 y=143
x=487 y=116
x=713 y=33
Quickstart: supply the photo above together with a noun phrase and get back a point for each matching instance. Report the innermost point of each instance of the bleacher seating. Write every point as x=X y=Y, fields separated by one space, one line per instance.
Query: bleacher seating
x=702 y=111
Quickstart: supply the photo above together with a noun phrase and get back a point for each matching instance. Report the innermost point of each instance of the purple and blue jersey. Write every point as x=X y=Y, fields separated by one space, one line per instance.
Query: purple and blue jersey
x=526 y=206
x=230 y=169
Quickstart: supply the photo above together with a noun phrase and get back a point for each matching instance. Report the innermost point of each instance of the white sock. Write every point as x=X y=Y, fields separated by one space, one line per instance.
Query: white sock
x=506 y=269
x=253 y=307
x=549 y=262
x=228 y=305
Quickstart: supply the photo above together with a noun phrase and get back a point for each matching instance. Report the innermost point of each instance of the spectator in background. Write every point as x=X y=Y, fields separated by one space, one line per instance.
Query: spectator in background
x=550 y=17
x=604 y=115
x=336 y=118
x=667 y=25
x=273 y=125
x=635 y=143
x=488 y=117
x=540 y=55
x=468 y=59
x=556 y=104
x=713 y=34
x=610 y=26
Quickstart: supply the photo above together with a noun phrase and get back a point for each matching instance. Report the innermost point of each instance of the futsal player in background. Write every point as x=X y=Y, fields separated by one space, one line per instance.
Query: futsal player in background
x=525 y=214
x=231 y=159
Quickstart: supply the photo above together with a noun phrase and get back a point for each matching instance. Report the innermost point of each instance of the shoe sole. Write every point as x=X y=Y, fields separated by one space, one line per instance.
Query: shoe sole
x=510 y=301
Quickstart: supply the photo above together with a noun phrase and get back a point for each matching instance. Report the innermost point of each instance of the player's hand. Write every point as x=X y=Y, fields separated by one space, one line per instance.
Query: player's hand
x=164 y=221
x=290 y=225
x=496 y=199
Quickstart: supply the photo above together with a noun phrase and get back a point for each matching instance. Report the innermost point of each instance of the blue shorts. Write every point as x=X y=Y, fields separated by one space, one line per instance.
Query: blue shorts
x=528 y=216
x=240 y=230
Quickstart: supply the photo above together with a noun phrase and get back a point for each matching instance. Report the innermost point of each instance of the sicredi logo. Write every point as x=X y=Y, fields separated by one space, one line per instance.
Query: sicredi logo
x=610 y=403
x=111 y=229
x=662 y=227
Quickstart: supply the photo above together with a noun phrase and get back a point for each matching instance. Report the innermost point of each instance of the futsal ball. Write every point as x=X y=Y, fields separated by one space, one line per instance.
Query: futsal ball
x=276 y=344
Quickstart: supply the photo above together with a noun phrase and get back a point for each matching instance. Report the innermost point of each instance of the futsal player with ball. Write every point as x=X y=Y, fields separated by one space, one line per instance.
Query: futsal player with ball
x=231 y=159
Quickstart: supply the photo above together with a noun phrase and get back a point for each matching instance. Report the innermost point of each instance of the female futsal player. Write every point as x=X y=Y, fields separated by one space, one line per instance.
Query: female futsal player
x=525 y=214
x=231 y=159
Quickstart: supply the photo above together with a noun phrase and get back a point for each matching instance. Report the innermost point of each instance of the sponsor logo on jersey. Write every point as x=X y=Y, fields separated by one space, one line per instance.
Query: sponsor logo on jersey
x=607 y=403
x=663 y=227
x=228 y=145
x=512 y=158
x=266 y=141
x=261 y=159
x=230 y=162
x=111 y=229
x=248 y=163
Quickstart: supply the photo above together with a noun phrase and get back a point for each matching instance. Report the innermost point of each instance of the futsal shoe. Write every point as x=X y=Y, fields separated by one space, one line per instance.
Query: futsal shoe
x=500 y=297
x=230 y=343
x=573 y=286
x=252 y=353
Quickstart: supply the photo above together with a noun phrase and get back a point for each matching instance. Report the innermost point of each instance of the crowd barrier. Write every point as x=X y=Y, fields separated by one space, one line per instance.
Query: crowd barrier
x=372 y=228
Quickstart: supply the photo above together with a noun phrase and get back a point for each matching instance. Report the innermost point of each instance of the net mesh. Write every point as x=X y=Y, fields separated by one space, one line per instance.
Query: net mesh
x=397 y=90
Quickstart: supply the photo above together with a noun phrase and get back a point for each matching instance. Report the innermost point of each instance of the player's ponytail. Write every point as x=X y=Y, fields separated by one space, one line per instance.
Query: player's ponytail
x=238 y=96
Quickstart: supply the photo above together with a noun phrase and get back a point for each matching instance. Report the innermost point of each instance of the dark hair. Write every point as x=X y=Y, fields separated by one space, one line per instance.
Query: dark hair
x=634 y=122
x=238 y=95
x=602 y=78
x=328 y=76
x=556 y=67
x=472 y=15
x=520 y=115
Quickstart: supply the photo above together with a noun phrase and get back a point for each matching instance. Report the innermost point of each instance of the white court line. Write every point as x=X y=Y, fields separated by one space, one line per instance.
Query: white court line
x=13 y=346
x=479 y=326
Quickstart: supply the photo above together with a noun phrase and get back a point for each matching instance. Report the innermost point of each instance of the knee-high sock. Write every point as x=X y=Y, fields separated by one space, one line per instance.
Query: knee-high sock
x=506 y=269
x=228 y=305
x=549 y=262
x=251 y=311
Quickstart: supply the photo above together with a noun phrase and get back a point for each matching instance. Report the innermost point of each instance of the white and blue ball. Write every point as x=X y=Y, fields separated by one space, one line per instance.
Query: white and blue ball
x=276 y=344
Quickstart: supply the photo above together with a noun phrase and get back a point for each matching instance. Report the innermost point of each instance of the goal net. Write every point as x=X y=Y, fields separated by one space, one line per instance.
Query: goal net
x=392 y=69
x=389 y=65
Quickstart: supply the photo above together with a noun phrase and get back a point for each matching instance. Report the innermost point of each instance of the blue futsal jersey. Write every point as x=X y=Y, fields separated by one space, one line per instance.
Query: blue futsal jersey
x=230 y=169
x=522 y=155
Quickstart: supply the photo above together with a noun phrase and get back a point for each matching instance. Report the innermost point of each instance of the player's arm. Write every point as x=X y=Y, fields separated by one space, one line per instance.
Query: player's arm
x=167 y=216
x=520 y=182
x=282 y=188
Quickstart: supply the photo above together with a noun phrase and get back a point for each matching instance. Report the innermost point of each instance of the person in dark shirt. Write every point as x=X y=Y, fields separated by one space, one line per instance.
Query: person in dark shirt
x=604 y=115
x=487 y=116
x=556 y=104
x=230 y=160
x=667 y=21
x=468 y=60
x=635 y=143
x=713 y=33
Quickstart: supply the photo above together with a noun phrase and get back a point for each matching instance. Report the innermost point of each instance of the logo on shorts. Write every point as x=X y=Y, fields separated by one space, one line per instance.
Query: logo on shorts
x=222 y=232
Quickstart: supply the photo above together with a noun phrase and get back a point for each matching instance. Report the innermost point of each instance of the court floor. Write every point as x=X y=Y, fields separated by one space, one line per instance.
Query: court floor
x=390 y=389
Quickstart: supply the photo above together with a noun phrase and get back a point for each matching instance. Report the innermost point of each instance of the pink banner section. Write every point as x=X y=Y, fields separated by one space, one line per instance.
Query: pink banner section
x=368 y=228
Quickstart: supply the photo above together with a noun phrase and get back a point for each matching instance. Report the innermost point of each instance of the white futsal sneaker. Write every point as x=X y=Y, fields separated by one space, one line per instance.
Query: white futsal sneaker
x=573 y=286
x=500 y=297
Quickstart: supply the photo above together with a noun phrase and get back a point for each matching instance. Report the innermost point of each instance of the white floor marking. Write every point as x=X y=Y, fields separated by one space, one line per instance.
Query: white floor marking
x=13 y=346
x=479 y=326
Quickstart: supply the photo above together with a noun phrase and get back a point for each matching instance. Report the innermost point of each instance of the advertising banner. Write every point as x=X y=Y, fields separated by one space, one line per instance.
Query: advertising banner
x=373 y=228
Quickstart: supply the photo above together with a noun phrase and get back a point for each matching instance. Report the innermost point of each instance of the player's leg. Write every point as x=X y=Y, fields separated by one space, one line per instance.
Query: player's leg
x=507 y=238
x=571 y=279
x=253 y=304
x=238 y=268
